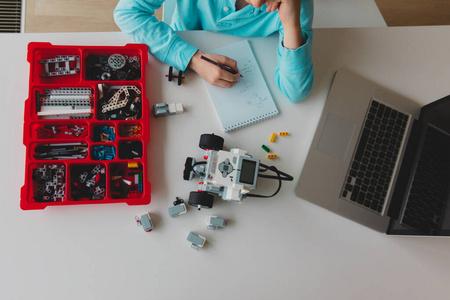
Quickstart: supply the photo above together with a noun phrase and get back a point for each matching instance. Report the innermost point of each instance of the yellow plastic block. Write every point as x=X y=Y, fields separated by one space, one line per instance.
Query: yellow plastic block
x=133 y=165
x=272 y=156
x=284 y=133
x=272 y=137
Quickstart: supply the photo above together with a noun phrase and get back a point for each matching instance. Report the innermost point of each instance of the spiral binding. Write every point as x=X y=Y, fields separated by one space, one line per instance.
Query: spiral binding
x=251 y=121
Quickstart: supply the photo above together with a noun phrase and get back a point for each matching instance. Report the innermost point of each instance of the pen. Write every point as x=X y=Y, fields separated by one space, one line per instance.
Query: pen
x=223 y=67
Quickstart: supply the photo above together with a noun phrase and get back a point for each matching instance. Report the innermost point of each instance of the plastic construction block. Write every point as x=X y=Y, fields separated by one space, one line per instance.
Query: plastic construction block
x=272 y=156
x=283 y=133
x=60 y=65
x=164 y=109
x=265 y=148
x=178 y=208
x=145 y=221
x=197 y=241
x=86 y=106
x=215 y=222
x=133 y=165
x=171 y=75
x=272 y=137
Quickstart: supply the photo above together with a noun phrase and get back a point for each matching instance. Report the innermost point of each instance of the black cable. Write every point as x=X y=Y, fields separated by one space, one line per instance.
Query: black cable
x=281 y=176
x=196 y=164
x=279 y=173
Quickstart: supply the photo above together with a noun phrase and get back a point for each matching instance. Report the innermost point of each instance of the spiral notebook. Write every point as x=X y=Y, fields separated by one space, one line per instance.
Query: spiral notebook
x=249 y=101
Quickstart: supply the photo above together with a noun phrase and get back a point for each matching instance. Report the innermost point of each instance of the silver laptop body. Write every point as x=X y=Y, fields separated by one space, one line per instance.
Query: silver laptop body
x=334 y=146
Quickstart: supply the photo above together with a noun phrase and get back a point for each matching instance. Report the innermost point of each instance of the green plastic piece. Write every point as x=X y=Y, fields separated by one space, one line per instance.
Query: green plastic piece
x=265 y=148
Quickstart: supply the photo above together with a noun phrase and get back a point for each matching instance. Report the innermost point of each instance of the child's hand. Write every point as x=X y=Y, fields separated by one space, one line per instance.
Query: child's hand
x=212 y=73
x=289 y=12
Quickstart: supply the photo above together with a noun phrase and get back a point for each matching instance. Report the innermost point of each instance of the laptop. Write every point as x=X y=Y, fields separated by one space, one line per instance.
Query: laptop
x=380 y=159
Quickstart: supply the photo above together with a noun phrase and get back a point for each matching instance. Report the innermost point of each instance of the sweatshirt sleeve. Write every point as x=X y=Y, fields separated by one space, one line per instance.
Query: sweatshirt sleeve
x=136 y=19
x=294 y=72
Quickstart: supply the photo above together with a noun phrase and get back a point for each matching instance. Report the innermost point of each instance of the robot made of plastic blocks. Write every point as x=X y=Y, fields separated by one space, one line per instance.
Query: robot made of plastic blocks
x=228 y=174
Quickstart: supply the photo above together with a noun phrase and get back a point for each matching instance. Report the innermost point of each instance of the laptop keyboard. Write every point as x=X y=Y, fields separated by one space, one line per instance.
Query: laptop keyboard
x=371 y=170
x=426 y=204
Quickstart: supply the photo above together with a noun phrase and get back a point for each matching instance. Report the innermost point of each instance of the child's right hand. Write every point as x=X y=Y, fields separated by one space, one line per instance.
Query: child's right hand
x=212 y=73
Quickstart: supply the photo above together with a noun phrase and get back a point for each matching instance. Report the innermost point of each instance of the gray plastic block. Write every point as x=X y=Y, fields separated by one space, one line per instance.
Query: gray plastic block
x=177 y=210
x=196 y=240
x=146 y=222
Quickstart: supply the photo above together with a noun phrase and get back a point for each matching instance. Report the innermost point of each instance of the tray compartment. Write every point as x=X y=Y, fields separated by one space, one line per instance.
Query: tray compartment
x=63 y=102
x=48 y=182
x=87 y=182
x=113 y=64
x=119 y=102
x=126 y=180
x=72 y=150
x=59 y=130
x=103 y=133
x=54 y=64
x=130 y=149
x=130 y=130
x=103 y=152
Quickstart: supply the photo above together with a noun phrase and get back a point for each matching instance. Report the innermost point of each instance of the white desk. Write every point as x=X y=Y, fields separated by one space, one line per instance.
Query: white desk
x=280 y=248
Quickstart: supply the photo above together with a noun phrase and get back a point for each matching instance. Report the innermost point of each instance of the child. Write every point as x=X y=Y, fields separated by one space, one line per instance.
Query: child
x=291 y=18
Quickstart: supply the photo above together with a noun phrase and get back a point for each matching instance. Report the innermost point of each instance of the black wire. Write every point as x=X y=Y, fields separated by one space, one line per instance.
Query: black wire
x=196 y=164
x=279 y=173
x=281 y=176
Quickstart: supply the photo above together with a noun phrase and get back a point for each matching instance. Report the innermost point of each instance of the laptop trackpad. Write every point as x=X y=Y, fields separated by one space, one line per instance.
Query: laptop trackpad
x=336 y=136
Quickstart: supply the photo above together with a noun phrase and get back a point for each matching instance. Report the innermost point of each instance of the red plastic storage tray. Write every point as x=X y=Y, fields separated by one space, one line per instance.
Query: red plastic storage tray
x=86 y=126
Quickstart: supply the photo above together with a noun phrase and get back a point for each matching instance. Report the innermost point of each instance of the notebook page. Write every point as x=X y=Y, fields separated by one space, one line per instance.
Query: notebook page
x=247 y=102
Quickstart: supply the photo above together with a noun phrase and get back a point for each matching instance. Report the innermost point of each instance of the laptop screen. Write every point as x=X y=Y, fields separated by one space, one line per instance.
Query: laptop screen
x=425 y=209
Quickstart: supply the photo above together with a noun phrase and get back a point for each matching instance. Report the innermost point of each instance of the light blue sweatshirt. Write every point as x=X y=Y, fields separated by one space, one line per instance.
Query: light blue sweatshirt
x=294 y=72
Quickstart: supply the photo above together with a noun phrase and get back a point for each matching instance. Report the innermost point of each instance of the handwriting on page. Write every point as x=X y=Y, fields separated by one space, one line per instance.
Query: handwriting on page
x=247 y=102
x=246 y=86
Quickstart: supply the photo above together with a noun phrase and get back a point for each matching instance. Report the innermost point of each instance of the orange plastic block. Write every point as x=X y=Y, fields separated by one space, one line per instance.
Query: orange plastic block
x=272 y=137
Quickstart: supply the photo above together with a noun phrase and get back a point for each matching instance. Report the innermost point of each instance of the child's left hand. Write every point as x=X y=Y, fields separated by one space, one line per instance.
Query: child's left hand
x=288 y=10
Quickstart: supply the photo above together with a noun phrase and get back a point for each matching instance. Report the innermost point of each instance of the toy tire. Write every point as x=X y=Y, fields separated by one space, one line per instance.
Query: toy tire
x=188 y=168
x=103 y=59
x=180 y=76
x=211 y=141
x=170 y=73
x=205 y=200
x=122 y=75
